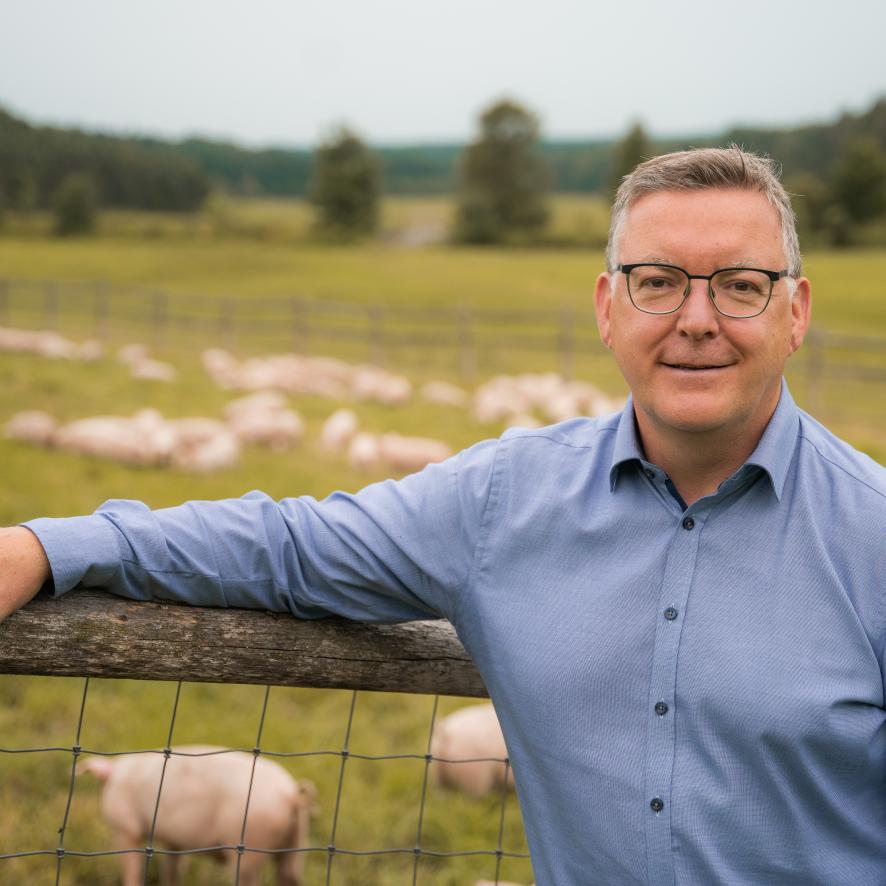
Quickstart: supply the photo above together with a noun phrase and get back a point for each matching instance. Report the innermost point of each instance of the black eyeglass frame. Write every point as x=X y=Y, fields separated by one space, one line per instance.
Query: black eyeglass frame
x=774 y=277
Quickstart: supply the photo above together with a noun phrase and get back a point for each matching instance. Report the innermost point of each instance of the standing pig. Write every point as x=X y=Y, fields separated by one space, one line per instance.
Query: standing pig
x=202 y=805
x=471 y=734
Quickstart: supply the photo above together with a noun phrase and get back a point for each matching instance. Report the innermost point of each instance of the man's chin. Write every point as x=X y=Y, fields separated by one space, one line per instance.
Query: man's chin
x=703 y=415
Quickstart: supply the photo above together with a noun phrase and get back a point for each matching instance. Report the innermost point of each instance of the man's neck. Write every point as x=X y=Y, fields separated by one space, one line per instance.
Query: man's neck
x=697 y=462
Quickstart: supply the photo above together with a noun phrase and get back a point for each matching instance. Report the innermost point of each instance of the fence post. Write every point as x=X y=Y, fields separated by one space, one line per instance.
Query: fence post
x=566 y=344
x=815 y=368
x=375 y=321
x=160 y=317
x=4 y=302
x=50 y=305
x=467 y=357
x=300 y=326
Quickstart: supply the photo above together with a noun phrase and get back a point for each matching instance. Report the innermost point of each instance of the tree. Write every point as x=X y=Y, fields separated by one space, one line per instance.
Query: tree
x=633 y=149
x=811 y=200
x=859 y=180
x=75 y=205
x=502 y=178
x=345 y=185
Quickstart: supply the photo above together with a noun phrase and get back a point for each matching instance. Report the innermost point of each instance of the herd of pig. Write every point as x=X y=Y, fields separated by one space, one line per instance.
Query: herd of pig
x=204 y=790
x=205 y=444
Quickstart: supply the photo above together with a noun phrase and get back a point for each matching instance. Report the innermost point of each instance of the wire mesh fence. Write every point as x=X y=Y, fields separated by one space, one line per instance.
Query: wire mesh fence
x=368 y=832
x=329 y=851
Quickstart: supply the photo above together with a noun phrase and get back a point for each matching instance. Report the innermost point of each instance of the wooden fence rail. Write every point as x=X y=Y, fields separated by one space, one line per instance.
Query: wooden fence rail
x=94 y=634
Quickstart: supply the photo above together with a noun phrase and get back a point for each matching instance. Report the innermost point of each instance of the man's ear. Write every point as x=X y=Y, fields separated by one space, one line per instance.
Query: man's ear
x=801 y=311
x=603 y=302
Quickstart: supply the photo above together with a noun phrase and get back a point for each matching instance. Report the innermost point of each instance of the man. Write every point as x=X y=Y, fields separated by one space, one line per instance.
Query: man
x=678 y=610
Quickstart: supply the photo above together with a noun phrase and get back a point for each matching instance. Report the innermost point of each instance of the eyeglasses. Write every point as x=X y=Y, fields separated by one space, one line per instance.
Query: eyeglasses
x=735 y=292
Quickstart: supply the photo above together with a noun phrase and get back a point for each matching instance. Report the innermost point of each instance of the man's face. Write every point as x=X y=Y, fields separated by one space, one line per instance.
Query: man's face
x=738 y=363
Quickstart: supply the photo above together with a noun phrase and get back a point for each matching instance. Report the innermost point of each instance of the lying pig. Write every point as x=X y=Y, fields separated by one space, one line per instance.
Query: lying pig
x=201 y=805
x=471 y=733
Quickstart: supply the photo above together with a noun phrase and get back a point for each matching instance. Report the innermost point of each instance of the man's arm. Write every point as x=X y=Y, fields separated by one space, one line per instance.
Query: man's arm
x=393 y=552
x=24 y=568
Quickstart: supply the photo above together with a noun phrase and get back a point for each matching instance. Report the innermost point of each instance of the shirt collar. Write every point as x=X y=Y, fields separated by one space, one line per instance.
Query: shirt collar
x=773 y=453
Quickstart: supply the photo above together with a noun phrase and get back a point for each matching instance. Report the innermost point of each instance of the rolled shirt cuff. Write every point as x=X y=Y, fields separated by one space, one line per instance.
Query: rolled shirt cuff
x=80 y=550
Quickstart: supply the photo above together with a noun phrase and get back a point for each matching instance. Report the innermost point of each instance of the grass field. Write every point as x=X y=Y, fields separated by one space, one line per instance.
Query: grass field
x=380 y=801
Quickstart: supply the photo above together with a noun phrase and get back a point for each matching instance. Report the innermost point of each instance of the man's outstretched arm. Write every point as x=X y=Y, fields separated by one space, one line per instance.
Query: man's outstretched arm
x=24 y=568
x=394 y=551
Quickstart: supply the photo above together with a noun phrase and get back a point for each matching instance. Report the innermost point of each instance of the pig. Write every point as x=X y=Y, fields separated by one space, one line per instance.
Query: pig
x=364 y=452
x=152 y=370
x=202 y=804
x=338 y=430
x=408 y=454
x=32 y=426
x=444 y=393
x=472 y=733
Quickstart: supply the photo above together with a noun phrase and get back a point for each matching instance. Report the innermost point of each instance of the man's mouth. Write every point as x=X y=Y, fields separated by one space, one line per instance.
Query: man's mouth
x=696 y=367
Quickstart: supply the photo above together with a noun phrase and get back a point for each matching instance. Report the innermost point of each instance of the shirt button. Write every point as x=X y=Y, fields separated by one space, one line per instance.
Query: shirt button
x=661 y=708
x=670 y=613
x=656 y=804
x=650 y=474
x=689 y=523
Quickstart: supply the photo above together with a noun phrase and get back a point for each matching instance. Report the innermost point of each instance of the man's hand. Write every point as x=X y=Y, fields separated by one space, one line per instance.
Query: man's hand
x=23 y=568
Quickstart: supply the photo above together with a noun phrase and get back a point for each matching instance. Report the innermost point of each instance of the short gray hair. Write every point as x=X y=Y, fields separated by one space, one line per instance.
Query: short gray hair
x=701 y=168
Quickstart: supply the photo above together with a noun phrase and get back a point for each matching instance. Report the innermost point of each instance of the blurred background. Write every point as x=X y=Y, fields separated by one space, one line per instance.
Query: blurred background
x=417 y=188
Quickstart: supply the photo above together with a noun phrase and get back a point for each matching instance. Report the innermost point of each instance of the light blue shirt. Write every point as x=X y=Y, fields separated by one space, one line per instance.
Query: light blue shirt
x=690 y=697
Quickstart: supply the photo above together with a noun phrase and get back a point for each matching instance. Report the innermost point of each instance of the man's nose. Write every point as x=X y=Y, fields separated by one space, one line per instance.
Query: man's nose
x=698 y=318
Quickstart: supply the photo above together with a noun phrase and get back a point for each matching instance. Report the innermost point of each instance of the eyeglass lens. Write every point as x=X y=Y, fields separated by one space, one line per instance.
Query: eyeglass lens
x=659 y=289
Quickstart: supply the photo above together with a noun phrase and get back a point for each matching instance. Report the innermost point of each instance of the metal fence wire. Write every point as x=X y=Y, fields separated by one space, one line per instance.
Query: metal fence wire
x=331 y=849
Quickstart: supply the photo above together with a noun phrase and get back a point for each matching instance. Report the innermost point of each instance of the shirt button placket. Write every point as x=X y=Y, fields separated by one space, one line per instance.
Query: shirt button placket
x=674 y=593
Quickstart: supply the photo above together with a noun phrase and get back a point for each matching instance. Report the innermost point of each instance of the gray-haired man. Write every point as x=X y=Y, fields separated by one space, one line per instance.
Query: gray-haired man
x=678 y=610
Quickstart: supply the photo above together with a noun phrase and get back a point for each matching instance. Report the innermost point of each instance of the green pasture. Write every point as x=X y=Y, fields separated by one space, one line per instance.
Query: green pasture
x=380 y=799
x=245 y=263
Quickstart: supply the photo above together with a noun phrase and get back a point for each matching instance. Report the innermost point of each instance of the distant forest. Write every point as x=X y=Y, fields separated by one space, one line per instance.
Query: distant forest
x=147 y=173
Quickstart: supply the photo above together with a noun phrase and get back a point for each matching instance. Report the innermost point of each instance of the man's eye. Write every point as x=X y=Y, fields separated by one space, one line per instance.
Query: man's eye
x=744 y=288
x=744 y=285
x=658 y=283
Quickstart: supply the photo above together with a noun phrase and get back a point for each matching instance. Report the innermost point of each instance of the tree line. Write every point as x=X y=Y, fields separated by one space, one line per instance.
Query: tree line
x=501 y=179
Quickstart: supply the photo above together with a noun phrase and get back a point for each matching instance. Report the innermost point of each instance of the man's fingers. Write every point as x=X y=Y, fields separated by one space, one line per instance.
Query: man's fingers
x=23 y=568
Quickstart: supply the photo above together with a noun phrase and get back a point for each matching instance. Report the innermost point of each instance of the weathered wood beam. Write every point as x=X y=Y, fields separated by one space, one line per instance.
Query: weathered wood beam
x=92 y=633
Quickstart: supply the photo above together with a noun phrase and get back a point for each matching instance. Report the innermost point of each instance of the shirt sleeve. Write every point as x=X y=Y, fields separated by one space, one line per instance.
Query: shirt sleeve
x=396 y=550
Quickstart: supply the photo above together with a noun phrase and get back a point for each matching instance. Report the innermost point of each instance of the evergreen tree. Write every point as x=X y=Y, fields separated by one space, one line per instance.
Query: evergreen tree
x=811 y=201
x=503 y=180
x=75 y=206
x=345 y=185
x=859 y=180
x=633 y=149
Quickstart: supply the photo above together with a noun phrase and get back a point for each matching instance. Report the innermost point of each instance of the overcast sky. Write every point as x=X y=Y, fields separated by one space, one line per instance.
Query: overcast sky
x=273 y=72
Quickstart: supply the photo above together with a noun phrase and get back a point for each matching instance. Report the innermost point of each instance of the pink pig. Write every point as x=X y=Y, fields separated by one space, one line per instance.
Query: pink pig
x=468 y=734
x=201 y=805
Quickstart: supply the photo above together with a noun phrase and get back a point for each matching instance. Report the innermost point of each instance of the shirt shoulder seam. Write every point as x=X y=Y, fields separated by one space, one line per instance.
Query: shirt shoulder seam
x=482 y=535
x=840 y=467
x=536 y=435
